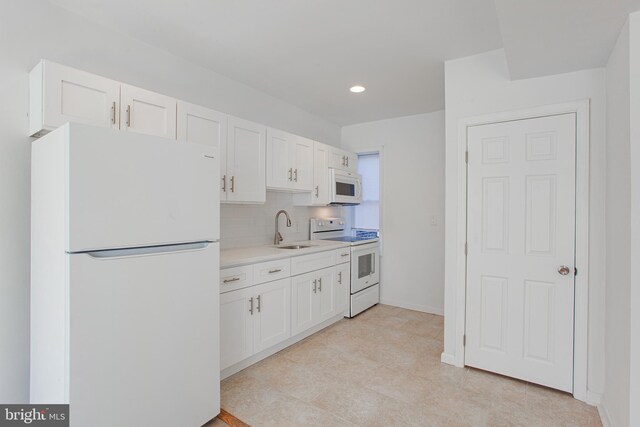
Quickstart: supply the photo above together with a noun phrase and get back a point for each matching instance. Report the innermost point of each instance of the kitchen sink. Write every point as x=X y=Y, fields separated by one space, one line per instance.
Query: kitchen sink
x=294 y=246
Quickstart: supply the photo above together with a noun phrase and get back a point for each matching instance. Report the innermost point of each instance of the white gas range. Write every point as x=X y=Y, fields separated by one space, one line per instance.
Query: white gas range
x=365 y=261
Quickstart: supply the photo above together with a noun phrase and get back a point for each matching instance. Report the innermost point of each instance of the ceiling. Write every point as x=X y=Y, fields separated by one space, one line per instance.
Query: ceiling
x=309 y=53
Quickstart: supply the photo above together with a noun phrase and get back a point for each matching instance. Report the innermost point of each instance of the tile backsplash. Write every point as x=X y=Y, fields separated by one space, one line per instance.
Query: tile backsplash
x=249 y=225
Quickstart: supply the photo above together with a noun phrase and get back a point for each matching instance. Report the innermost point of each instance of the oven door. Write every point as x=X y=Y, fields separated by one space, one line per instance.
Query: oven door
x=346 y=187
x=365 y=262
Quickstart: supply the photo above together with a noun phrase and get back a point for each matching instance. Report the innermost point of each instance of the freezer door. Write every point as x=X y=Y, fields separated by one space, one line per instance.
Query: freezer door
x=132 y=190
x=144 y=338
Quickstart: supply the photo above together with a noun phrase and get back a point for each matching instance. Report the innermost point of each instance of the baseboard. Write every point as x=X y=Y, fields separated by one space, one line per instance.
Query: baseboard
x=449 y=359
x=594 y=398
x=415 y=307
x=604 y=416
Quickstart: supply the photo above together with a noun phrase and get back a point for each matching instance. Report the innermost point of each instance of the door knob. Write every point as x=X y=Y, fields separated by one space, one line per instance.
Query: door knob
x=564 y=270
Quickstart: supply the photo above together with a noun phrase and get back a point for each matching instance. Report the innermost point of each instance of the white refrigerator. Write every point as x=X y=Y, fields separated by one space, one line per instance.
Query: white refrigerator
x=124 y=278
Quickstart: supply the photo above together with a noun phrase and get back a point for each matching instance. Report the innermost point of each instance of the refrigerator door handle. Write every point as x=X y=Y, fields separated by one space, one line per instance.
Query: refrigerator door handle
x=147 y=250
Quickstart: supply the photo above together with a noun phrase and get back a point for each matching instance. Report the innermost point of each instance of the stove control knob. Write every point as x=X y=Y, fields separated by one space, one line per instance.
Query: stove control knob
x=320 y=224
x=341 y=222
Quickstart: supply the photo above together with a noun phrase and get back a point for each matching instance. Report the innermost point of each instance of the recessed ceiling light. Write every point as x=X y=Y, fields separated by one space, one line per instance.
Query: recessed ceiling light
x=357 y=89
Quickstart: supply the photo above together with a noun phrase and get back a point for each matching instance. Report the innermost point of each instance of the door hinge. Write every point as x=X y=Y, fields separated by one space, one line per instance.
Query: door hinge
x=575 y=271
x=466 y=157
x=464 y=340
x=466 y=248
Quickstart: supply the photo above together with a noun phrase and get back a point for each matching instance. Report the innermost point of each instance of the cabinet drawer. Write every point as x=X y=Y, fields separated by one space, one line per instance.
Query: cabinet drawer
x=305 y=263
x=236 y=278
x=343 y=255
x=271 y=270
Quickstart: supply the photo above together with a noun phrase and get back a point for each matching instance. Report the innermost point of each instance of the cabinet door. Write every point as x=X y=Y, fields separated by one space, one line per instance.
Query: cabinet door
x=68 y=95
x=246 y=161
x=344 y=160
x=343 y=282
x=279 y=162
x=337 y=158
x=304 y=302
x=351 y=162
x=236 y=326
x=147 y=112
x=204 y=126
x=320 y=191
x=327 y=293
x=272 y=323
x=302 y=154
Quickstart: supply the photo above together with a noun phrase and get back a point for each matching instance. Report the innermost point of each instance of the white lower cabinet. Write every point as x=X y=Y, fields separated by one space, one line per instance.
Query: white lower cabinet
x=313 y=298
x=272 y=323
x=343 y=288
x=263 y=305
x=236 y=327
x=253 y=319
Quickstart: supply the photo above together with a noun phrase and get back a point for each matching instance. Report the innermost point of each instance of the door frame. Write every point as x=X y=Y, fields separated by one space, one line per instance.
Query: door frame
x=581 y=287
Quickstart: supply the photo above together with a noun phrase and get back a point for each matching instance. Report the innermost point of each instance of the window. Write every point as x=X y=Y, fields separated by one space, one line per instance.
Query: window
x=367 y=214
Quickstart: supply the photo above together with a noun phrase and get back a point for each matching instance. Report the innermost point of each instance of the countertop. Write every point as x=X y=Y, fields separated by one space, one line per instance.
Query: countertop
x=252 y=254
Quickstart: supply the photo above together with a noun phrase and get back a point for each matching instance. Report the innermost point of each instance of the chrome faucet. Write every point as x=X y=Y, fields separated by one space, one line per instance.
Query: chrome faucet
x=277 y=238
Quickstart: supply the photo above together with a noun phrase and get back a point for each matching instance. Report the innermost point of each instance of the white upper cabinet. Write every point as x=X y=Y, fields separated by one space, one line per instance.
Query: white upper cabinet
x=319 y=195
x=204 y=126
x=302 y=156
x=279 y=168
x=60 y=94
x=289 y=161
x=344 y=160
x=245 y=153
x=147 y=112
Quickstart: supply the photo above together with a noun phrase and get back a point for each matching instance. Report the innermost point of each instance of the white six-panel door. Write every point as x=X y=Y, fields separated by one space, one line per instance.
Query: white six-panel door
x=521 y=249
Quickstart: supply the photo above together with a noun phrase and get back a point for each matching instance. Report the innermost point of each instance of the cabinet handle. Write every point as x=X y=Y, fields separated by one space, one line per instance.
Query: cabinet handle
x=128 y=116
x=277 y=270
x=320 y=284
x=251 y=305
x=233 y=183
x=343 y=255
x=295 y=175
x=259 y=303
x=347 y=161
x=344 y=162
x=290 y=174
x=235 y=279
x=113 y=113
x=317 y=192
x=315 y=286
x=340 y=277
x=224 y=183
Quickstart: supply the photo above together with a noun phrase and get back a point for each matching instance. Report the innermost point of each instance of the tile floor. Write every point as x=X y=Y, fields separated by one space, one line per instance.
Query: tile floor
x=383 y=369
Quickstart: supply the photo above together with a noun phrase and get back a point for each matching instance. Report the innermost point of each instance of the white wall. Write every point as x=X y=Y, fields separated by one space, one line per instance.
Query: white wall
x=480 y=85
x=249 y=225
x=34 y=29
x=412 y=264
x=618 y=220
x=634 y=282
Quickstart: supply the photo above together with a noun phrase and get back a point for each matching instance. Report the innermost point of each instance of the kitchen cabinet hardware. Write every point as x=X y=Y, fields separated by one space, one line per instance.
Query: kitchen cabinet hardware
x=290 y=174
x=235 y=279
x=233 y=183
x=128 y=116
x=224 y=183
x=259 y=307
x=113 y=113
x=276 y=270
x=251 y=305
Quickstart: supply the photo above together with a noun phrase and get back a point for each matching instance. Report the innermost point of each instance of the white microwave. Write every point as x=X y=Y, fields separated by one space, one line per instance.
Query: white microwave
x=345 y=187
